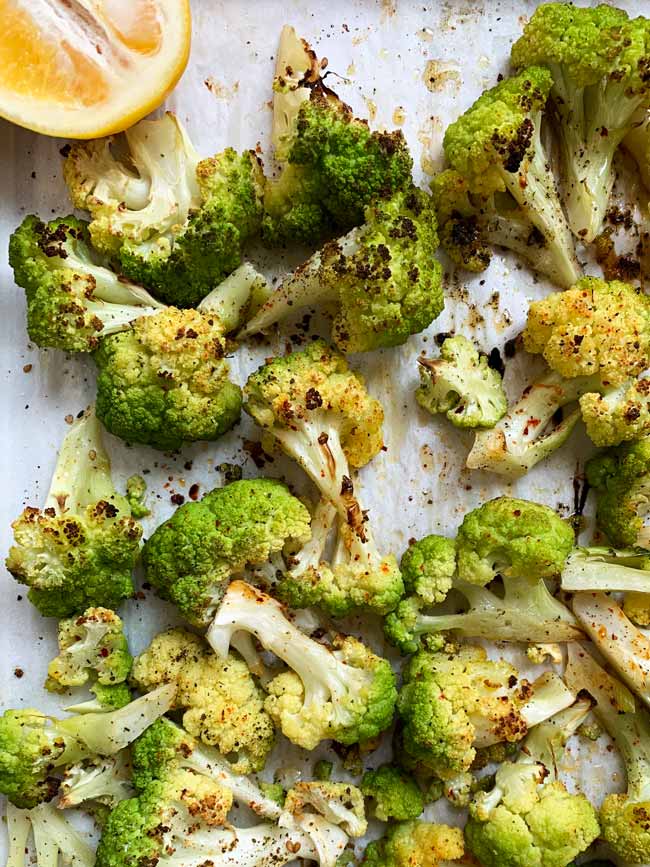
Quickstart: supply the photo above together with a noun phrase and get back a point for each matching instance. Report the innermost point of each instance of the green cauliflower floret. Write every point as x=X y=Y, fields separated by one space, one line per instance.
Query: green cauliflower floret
x=529 y=819
x=80 y=550
x=320 y=413
x=356 y=578
x=219 y=700
x=394 y=794
x=596 y=327
x=624 y=818
x=136 y=492
x=73 y=297
x=599 y=60
x=524 y=543
x=165 y=381
x=190 y=558
x=462 y=385
x=91 y=645
x=345 y=693
x=382 y=279
x=174 y=223
x=512 y=537
x=452 y=704
x=330 y=164
x=496 y=147
x=428 y=567
x=415 y=844
x=34 y=748
x=621 y=479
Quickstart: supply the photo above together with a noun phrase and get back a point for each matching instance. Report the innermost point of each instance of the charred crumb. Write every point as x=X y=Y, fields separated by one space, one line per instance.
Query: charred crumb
x=442 y=336
x=255 y=450
x=495 y=361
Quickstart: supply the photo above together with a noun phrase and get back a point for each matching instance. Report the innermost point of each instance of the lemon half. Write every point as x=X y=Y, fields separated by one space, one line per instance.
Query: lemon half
x=87 y=68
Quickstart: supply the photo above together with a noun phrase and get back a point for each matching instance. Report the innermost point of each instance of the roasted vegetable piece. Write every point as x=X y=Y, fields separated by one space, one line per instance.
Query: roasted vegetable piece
x=80 y=549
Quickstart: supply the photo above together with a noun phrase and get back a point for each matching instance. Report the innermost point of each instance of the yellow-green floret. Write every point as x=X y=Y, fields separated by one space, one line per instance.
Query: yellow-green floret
x=415 y=844
x=80 y=550
x=394 y=794
x=321 y=415
x=496 y=148
x=92 y=645
x=453 y=704
x=333 y=167
x=344 y=693
x=175 y=223
x=621 y=479
x=219 y=700
x=73 y=297
x=462 y=385
x=621 y=414
x=190 y=558
x=543 y=827
x=596 y=327
x=165 y=381
x=514 y=538
x=599 y=60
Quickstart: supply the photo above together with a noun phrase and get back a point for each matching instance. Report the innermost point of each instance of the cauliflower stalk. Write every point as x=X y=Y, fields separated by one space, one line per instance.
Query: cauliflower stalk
x=219 y=700
x=496 y=148
x=33 y=746
x=529 y=819
x=626 y=648
x=598 y=60
x=80 y=549
x=462 y=385
x=174 y=223
x=105 y=780
x=91 y=645
x=382 y=278
x=54 y=838
x=452 y=704
x=345 y=694
x=190 y=557
x=623 y=817
x=73 y=297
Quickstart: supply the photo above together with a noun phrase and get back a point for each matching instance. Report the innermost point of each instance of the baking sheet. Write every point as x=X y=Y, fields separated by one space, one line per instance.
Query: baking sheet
x=412 y=64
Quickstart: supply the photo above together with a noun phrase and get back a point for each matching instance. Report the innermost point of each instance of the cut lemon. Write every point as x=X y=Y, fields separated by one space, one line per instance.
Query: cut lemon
x=87 y=68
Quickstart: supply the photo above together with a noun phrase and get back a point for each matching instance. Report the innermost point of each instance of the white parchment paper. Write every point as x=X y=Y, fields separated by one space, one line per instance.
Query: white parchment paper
x=398 y=62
